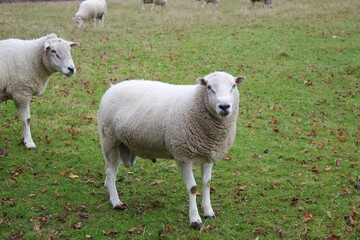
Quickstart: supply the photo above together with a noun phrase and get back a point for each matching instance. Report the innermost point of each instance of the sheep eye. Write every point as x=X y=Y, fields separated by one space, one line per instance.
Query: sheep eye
x=210 y=88
x=54 y=52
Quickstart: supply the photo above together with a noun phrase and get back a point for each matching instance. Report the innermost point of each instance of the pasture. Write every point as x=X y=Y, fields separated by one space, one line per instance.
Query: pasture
x=293 y=172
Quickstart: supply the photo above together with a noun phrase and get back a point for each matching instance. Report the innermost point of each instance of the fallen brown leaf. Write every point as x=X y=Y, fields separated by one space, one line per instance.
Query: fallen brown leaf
x=294 y=201
x=77 y=225
x=314 y=170
x=240 y=188
x=73 y=176
x=308 y=217
x=333 y=237
x=63 y=173
x=259 y=230
x=328 y=213
x=282 y=233
x=70 y=208
x=156 y=182
x=342 y=138
x=328 y=168
x=37 y=227
x=110 y=233
x=132 y=230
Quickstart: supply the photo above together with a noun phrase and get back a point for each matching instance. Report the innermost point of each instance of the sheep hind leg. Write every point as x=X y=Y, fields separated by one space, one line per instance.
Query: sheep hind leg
x=206 y=180
x=112 y=162
x=153 y=6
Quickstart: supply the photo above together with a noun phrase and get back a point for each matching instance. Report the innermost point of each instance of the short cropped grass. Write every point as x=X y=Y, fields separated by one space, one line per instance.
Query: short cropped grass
x=293 y=172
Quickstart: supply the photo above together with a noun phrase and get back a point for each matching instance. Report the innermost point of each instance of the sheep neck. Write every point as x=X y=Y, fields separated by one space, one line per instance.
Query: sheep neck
x=209 y=136
x=42 y=65
x=200 y=104
x=47 y=69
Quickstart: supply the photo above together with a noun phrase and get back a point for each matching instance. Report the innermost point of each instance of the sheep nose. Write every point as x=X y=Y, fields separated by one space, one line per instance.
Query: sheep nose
x=71 y=69
x=224 y=107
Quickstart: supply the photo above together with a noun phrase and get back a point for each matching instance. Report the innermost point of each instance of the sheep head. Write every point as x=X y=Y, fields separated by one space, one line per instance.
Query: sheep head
x=57 y=56
x=79 y=21
x=222 y=95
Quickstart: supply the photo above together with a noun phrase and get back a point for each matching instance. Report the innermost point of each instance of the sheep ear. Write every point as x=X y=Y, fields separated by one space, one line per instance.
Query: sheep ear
x=201 y=81
x=73 y=44
x=46 y=45
x=239 y=79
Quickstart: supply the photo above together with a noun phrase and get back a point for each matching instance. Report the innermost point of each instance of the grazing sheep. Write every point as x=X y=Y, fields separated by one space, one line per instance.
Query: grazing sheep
x=191 y=124
x=90 y=9
x=25 y=69
x=154 y=3
x=204 y=2
x=267 y=3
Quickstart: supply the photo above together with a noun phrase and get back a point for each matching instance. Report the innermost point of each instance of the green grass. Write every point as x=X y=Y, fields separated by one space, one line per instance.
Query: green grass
x=297 y=146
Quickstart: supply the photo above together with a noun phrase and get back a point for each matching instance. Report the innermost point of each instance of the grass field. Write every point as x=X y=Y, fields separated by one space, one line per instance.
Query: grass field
x=293 y=172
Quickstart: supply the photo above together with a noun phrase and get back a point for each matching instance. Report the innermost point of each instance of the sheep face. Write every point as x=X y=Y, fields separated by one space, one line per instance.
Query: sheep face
x=222 y=93
x=58 y=56
x=79 y=22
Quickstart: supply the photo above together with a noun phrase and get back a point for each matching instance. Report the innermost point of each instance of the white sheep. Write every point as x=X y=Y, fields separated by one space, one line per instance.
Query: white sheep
x=267 y=3
x=25 y=69
x=204 y=2
x=188 y=123
x=90 y=9
x=153 y=2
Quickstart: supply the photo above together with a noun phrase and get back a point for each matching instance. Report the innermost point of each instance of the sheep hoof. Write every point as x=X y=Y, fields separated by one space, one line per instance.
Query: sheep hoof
x=197 y=225
x=33 y=148
x=30 y=145
x=209 y=216
x=121 y=207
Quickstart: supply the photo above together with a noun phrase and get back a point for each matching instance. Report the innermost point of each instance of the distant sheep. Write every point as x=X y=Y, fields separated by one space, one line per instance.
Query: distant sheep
x=204 y=2
x=191 y=124
x=153 y=2
x=25 y=69
x=267 y=3
x=90 y=9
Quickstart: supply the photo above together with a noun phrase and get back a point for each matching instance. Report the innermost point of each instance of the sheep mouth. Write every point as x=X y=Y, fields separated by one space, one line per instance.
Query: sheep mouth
x=224 y=113
x=69 y=74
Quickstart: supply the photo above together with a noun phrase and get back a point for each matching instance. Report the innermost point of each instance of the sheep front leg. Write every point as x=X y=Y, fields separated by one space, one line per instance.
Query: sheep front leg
x=188 y=176
x=24 y=109
x=206 y=180
x=196 y=3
